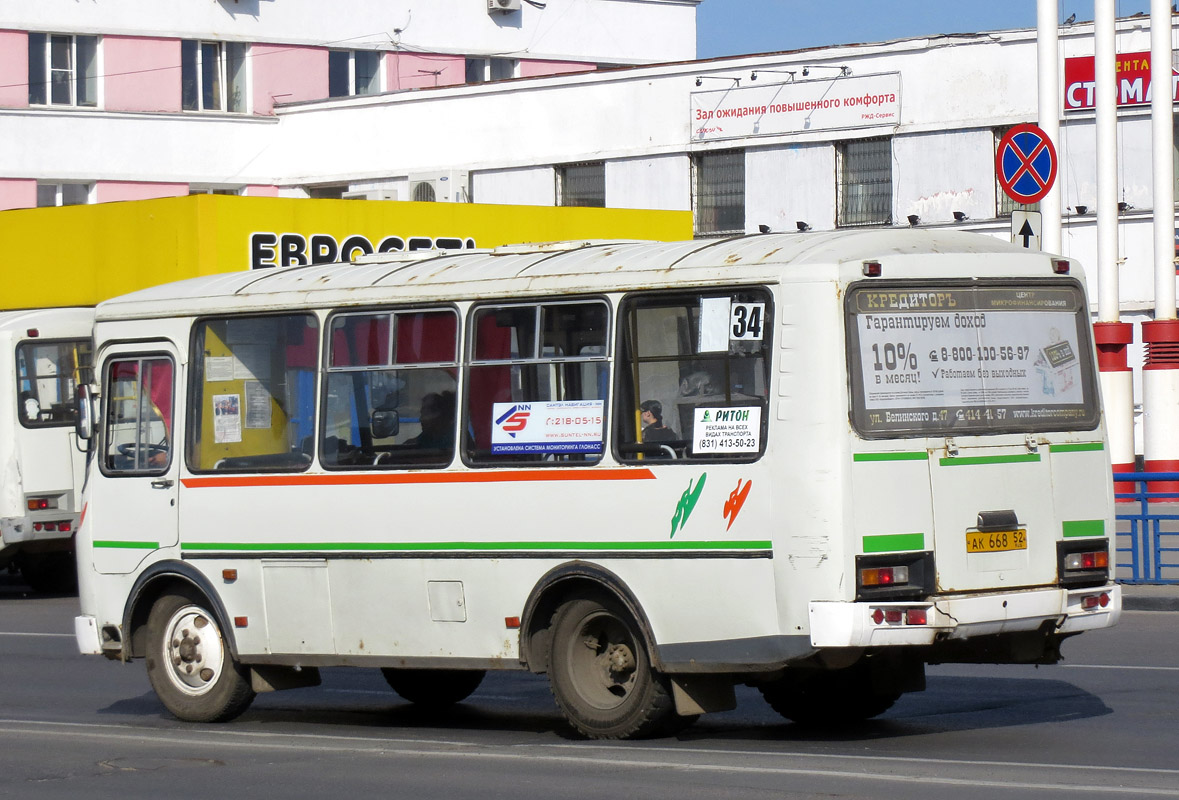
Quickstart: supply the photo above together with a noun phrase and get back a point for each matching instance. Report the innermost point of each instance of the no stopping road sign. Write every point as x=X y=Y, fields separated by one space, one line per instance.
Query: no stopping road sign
x=1025 y=163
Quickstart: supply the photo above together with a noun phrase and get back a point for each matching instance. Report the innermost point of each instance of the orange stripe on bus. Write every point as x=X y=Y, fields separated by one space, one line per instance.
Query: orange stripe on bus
x=497 y=476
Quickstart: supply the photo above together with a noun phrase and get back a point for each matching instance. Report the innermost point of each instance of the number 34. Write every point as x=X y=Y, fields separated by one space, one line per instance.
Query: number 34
x=747 y=320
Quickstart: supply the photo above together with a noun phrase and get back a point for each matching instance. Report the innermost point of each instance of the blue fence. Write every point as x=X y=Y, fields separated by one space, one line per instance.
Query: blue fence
x=1148 y=529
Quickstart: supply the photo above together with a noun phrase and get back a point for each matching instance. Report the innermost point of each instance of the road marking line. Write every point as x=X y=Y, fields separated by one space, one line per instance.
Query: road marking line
x=589 y=755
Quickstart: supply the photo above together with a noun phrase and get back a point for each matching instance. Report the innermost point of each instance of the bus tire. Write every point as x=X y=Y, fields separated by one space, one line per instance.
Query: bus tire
x=601 y=677
x=189 y=663
x=828 y=698
x=433 y=688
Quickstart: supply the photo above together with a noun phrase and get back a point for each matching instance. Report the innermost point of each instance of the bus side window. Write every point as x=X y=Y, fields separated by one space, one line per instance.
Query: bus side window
x=693 y=375
x=252 y=394
x=390 y=390
x=536 y=383
x=139 y=413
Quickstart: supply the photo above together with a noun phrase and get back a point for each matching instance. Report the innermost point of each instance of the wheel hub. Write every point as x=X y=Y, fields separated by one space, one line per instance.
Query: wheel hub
x=621 y=659
x=195 y=660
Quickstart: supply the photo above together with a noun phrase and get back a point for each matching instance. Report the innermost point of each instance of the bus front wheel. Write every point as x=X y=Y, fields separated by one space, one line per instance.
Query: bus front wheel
x=189 y=665
x=601 y=677
x=433 y=688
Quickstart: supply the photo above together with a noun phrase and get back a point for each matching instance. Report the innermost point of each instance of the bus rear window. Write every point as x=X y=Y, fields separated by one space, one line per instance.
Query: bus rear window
x=950 y=359
x=47 y=376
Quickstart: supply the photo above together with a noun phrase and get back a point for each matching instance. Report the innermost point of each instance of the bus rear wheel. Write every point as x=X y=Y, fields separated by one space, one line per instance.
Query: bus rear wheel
x=189 y=664
x=829 y=698
x=601 y=677
x=433 y=688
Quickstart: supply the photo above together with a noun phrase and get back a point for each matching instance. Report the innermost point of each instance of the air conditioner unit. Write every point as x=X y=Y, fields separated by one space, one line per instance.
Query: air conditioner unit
x=371 y=194
x=502 y=5
x=449 y=186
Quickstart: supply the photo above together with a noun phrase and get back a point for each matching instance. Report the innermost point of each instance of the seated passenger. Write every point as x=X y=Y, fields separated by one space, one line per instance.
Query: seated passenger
x=437 y=419
x=653 y=428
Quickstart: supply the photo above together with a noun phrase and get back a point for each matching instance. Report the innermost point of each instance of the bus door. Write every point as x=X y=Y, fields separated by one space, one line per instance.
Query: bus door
x=137 y=457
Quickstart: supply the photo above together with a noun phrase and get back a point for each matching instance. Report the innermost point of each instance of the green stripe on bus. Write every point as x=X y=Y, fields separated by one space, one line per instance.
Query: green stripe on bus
x=117 y=545
x=476 y=546
x=425 y=547
x=1077 y=448
x=1084 y=527
x=888 y=542
x=912 y=456
x=1023 y=458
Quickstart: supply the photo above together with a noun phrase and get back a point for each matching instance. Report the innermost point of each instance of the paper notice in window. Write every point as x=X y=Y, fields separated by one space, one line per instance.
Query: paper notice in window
x=714 y=324
x=227 y=418
x=218 y=368
x=257 y=406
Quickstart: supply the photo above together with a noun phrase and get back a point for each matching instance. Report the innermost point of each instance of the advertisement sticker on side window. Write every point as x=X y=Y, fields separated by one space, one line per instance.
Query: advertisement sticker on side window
x=724 y=429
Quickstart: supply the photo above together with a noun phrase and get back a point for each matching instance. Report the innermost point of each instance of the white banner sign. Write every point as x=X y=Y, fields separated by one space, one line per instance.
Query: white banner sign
x=810 y=105
x=571 y=426
x=724 y=429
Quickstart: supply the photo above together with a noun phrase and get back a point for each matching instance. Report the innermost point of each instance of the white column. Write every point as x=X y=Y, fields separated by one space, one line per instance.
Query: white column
x=1108 y=298
x=1162 y=136
x=1047 y=50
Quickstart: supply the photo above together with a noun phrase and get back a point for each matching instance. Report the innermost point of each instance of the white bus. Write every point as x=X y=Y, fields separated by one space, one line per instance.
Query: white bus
x=814 y=463
x=44 y=357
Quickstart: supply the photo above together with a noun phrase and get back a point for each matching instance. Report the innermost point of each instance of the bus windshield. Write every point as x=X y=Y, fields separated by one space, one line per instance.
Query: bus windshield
x=951 y=358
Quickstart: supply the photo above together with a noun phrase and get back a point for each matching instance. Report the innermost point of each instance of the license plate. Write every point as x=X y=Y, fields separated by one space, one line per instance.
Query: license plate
x=996 y=541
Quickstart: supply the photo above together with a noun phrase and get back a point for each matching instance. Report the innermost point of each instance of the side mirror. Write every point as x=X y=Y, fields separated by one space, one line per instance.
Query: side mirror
x=87 y=403
x=385 y=424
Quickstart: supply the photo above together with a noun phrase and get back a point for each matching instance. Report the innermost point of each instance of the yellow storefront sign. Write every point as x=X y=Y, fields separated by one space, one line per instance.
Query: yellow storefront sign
x=81 y=255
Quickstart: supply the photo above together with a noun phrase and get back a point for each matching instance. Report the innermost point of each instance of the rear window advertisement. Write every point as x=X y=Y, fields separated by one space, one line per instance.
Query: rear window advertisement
x=935 y=360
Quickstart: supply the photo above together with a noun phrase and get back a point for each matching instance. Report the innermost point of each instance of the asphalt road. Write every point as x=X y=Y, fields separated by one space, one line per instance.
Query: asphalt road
x=1101 y=724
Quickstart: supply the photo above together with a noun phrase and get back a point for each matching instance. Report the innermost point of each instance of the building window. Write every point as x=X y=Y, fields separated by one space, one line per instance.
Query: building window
x=63 y=70
x=1004 y=205
x=62 y=194
x=864 y=169
x=718 y=187
x=192 y=189
x=353 y=72
x=582 y=184
x=481 y=70
x=213 y=76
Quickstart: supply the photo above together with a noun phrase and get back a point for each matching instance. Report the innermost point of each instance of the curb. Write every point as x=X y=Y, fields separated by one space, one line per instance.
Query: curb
x=1132 y=603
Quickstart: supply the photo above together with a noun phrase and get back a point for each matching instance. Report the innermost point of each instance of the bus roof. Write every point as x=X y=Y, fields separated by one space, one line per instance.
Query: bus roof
x=564 y=267
x=50 y=322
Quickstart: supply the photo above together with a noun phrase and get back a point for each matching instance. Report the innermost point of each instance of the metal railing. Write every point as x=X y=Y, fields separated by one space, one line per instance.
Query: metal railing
x=1148 y=528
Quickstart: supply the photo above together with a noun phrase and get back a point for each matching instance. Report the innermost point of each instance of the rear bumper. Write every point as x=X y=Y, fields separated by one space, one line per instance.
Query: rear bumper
x=839 y=624
x=23 y=530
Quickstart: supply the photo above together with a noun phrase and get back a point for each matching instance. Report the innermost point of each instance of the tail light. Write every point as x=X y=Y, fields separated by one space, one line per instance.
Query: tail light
x=894 y=576
x=1083 y=562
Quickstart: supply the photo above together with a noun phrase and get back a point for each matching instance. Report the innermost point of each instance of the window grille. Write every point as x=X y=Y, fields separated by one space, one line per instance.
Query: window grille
x=1004 y=205
x=719 y=192
x=582 y=184
x=864 y=167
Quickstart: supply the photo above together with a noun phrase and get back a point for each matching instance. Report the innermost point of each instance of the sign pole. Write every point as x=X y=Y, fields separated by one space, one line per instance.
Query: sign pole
x=1047 y=50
